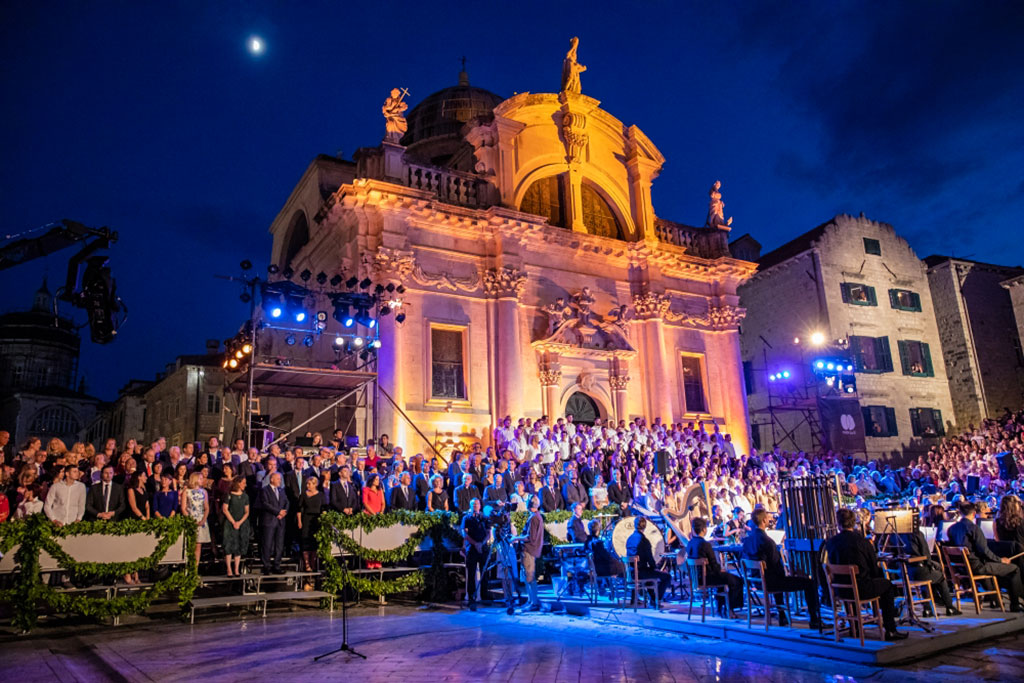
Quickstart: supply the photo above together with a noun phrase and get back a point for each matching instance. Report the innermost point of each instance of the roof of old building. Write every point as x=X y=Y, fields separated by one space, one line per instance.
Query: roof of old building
x=445 y=111
x=793 y=247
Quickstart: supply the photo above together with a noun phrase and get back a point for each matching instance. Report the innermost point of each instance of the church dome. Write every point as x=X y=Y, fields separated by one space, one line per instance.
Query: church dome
x=435 y=123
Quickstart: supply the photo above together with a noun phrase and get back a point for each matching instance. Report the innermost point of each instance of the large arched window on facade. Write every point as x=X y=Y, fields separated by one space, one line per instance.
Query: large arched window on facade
x=55 y=421
x=546 y=198
x=598 y=216
x=296 y=238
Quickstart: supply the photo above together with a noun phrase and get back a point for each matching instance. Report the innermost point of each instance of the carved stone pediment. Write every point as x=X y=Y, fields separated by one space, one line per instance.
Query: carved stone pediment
x=574 y=324
x=504 y=282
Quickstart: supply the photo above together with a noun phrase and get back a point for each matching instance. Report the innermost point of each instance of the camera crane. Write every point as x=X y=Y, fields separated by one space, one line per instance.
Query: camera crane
x=89 y=285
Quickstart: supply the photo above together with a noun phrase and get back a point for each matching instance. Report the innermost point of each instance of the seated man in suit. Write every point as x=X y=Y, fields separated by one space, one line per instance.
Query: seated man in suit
x=639 y=546
x=576 y=531
x=464 y=494
x=850 y=547
x=605 y=561
x=967 y=534
x=916 y=545
x=402 y=496
x=698 y=548
x=759 y=546
x=105 y=499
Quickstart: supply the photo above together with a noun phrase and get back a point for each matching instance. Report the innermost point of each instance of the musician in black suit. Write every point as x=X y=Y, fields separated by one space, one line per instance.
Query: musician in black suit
x=576 y=530
x=639 y=546
x=105 y=499
x=759 y=546
x=345 y=495
x=402 y=496
x=463 y=495
x=850 y=547
x=273 y=507
x=619 y=494
x=698 y=548
x=605 y=561
x=967 y=534
x=550 y=496
x=916 y=545
x=474 y=533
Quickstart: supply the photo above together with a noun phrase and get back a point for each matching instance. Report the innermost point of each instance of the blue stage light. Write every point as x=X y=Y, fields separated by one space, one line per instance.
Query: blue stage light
x=300 y=316
x=785 y=374
x=819 y=365
x=771 y=378
x=276 y=312
x=830 y=366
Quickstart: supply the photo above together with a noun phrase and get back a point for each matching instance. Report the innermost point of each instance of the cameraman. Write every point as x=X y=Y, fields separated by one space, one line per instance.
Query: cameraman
x=474 y=533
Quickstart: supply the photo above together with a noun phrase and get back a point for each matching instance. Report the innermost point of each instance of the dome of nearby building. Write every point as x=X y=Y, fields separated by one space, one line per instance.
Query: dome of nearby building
x=435 y=123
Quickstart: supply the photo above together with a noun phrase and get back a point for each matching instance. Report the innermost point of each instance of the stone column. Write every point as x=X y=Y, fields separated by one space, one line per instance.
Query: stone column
x=506 y=285
x=391 y=266
x=659 y=376
x=619 y=382
x=725 y=320
x=550 y=381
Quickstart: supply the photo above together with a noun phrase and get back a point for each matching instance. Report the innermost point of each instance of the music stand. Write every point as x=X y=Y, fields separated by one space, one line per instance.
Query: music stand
x=344 y=647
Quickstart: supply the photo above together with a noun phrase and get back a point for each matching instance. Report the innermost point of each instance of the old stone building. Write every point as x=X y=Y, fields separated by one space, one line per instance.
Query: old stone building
x=535 y=276
x=851 y=294
x=186 y=402
x=980 y=342
x=1015 y=287
x=122 y=419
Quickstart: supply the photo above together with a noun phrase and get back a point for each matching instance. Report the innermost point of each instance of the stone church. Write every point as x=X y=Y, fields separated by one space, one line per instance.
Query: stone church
x=536 y=277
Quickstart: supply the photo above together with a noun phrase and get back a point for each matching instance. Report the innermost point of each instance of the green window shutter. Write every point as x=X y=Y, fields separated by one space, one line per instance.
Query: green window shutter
x=915 y=301
x=869 y=424
x=927 y=355
x=894 y=298
x=884 y=354
x=940 y=428
x=857 y=345
x=845 y=288
x=871 y=296
x=891 y=428
x=915 y=422
x=904 y=356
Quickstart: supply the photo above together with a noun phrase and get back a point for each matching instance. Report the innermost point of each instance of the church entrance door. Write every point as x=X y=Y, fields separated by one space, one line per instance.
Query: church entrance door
x=583 y=408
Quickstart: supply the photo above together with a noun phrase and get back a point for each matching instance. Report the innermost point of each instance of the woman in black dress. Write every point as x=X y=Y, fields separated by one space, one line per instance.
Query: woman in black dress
x=309 y=520
x=438 y=498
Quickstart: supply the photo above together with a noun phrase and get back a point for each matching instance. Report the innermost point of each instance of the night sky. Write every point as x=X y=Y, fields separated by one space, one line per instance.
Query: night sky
x=156 y=120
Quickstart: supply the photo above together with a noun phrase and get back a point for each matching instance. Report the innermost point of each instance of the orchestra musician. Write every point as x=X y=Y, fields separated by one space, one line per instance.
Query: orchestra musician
x=639 y=546
x=698 y=548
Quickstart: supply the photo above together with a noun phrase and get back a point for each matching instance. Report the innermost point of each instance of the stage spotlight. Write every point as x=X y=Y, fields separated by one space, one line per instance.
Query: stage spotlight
x=385 y=309
x=379 y=289
x=819 y=364
x=239 y=354
x=364 y=319
x=339 y=341
x=358 y=342
x=246 y=264
x=300 y=316
x=245 y=297
x=305 y=275
x=308 y=340
x=273 y=269
x=849 y=368
x=290 y=340
x=232 y=363
x=849 y=390
x=830 y=366
x=390 y=287
x=376 y=343
x=335 y=281
x=785 y=374
x=771 y=378
x=321 y=278
x=352 y=282
x=364 y=355
x=225 y=365
x=276 y=312
x=400 y=318
x=365 y=283
x=342 y=315
x=817 y=338
x=288 y=273
x=247 y=348
x=400 y=289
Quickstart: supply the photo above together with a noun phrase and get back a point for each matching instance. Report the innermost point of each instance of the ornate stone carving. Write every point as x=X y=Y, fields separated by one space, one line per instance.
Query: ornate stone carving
x=484 y=138
x=571 y=68
x=574 y=131
x=394 y=115
x=716 y=208
x=452 y=283
x=619 y=382
x=726 y=317
x=576 y=324
x=550 y=377
x=392 y=264
x=650 y=305
x=505 y=281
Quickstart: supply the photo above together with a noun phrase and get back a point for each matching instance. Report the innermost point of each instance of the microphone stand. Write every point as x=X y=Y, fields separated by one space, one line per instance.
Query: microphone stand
x=345 y=647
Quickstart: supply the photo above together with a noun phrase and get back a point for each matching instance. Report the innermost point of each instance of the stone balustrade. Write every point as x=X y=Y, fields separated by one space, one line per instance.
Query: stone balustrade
x=450 y=186
x=701 y=242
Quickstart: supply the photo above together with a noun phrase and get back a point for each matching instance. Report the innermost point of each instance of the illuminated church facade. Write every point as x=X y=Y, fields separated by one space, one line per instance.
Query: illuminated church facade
x=536 y=278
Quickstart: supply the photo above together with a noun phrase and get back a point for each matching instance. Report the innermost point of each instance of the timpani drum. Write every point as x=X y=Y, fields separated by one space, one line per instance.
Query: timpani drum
x=624 y=528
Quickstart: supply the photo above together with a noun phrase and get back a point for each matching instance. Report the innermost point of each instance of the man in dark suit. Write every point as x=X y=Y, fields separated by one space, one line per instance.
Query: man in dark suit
x=619 y=494
x=967 y=534
x=605 y=561
x=551 y=497
x=402 y=497
x=573 y=491
x=273 y=507
x=105 y=499
x=850 y=547
x=345 y=495
x=576 y=530
x=698 y=548
x=464 y=494
x=474 y=533
x=639 y=546
x=916 y=545
x=507 y=477
x=495 y=494
x=758 y=546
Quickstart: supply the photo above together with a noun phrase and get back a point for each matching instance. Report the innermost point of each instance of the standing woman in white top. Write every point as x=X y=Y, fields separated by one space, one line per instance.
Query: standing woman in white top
x=195 y=503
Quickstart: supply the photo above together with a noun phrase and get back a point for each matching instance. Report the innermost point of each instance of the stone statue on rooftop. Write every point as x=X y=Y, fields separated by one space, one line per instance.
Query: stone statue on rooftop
x=571 y=69
x=716 y=208
x=394 y=115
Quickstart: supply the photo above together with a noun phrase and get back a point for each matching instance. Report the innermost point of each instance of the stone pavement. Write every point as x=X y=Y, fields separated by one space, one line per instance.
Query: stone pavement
x=409 y=645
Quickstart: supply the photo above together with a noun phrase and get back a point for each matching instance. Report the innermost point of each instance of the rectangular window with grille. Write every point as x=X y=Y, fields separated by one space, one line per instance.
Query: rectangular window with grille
x=915 y=359
x=447 y=370
x=858 y=294
x=880 y=421
x=693 y=385
x=871 y=354
x=926 y=422
x=212 y=403
x=905 y=300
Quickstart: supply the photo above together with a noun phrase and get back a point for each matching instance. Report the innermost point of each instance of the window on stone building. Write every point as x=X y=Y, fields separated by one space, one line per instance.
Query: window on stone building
x=880 y=421
x=915 y=358
x=693 y=384
x=55 y=421
x=858 y=295
x=212 y=403
x=905 y=300
x=926 y=422
x=546 y=197
x=598 y=216
x=871 y=354
x=872 y=246
x=447 y=370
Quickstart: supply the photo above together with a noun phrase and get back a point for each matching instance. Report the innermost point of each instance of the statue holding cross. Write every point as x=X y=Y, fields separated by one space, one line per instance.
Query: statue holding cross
x=394 y=115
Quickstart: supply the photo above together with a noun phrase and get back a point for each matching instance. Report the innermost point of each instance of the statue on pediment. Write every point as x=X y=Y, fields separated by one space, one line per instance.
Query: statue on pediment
x=394 y=115
x=716 y=208
x=571 y=69
x=576 y=324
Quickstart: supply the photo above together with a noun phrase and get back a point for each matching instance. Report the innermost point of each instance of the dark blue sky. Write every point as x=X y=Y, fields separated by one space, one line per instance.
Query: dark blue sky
x=153 y=119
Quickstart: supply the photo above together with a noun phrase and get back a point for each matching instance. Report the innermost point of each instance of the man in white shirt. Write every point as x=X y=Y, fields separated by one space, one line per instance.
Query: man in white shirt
x=65 y=503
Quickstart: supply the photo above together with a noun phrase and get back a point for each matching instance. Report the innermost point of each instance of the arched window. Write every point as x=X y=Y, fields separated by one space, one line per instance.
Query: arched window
x=55 y=421
x=546 y=198
x=296 y=238
x=598 y=216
